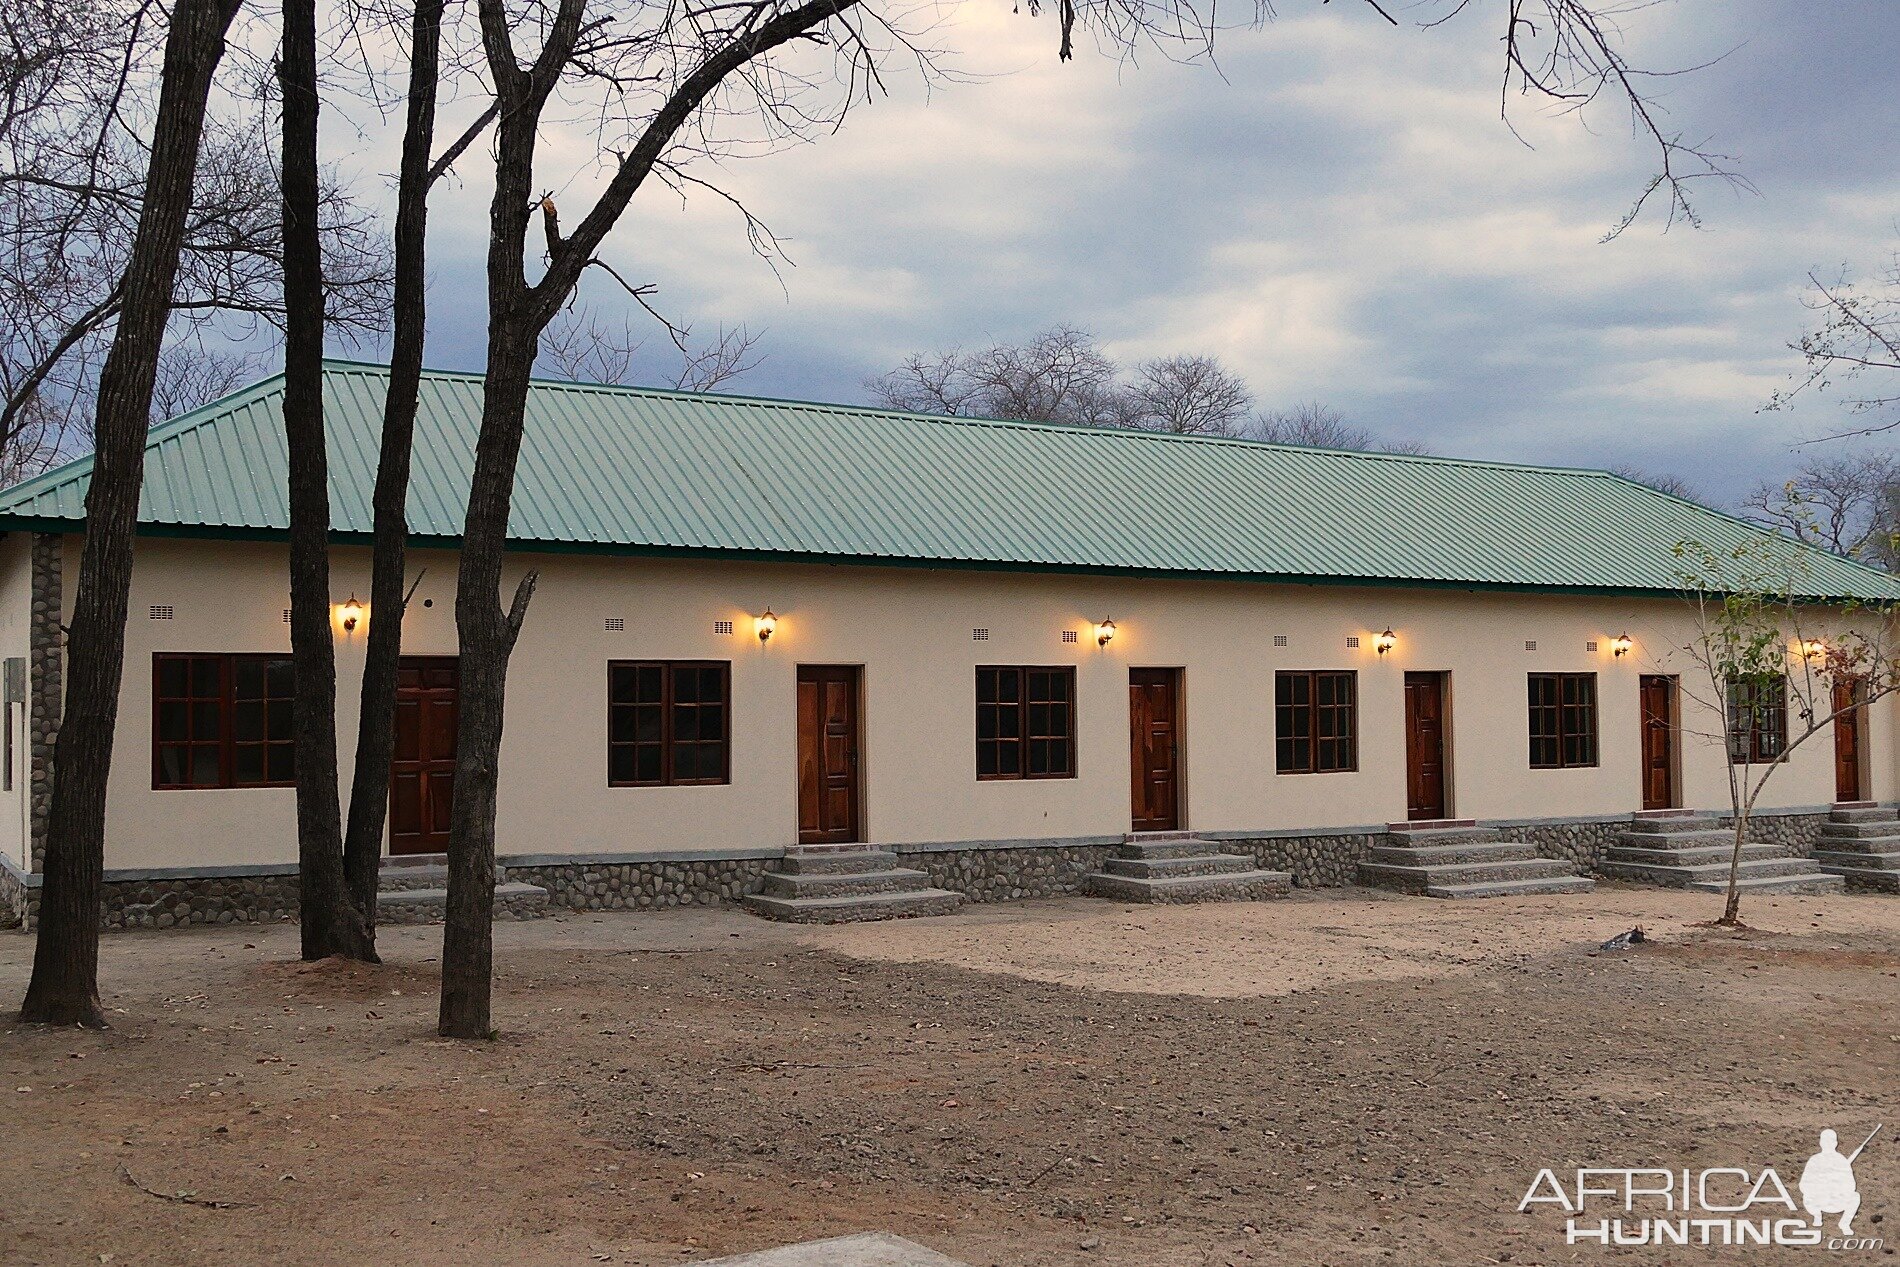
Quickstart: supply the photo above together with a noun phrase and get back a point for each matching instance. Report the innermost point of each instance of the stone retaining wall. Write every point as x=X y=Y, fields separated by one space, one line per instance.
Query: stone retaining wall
x=610 y=882
x=1316 y=860
x=1001 y=871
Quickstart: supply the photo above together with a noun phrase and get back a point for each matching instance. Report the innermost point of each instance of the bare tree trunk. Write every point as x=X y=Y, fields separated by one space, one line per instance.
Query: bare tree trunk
x=65 y=984
x=330 y=922
x=1732 y=909
x=376 y=726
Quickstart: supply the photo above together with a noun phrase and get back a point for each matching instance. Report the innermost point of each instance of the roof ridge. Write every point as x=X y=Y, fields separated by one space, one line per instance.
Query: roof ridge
x=1134 y=434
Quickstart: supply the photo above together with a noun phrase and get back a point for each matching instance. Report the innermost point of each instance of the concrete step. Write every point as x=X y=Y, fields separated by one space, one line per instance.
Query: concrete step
x=1878 y=879
x=1513 y=888
x=1698 y=856
x=1830 y=859
x=1860 y=831
x=1699 y=839
x=420 y=871
x=845 y=883
x=430 y=906
x=1436 y=855
x=1675 y=823
x=828 y=860
x=853 y=909
x=1232 y=886
x=1166 y=845
x=1425 y=837
x=1866 y=814
x=1419 y=880
x=1809 y=882
x=1677 y=877
x=1858 y=845
x=1162 y=868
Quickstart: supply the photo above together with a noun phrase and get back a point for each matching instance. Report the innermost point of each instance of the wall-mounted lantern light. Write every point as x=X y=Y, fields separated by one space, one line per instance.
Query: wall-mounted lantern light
x=1104 y=632
x=1813 y=648
x=351 y=611
x=1620 y=645
x=1385 y=641
x=767 y=625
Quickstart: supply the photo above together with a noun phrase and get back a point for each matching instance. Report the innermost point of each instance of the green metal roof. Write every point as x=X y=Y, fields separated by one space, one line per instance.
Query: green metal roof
x=638 y=471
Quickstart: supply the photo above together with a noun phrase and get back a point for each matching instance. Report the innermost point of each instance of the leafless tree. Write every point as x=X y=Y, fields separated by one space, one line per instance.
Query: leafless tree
x=64 y=988
x=1059 y=375
x=1188 y=395
x=583 y=347
x=77 y=96
x=1662 y=482
x=1846 y=505
x=1855 y=350
x=1318 y=426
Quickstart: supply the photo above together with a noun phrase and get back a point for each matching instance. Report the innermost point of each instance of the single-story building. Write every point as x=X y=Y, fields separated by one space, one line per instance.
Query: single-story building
x=992 y=647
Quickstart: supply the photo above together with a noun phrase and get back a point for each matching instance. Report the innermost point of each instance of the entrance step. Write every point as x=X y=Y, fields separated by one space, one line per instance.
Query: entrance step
x=1860 y=843
x=430 y=906
x=844 y=884
x=1180 y=867
x=1463 y=860
x=1693 y=851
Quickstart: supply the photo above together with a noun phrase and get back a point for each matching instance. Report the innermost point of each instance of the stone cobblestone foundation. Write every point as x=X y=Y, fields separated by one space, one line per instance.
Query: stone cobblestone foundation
x=1796 y=831
x=1316 y=860
x=629 y=882
x=1577 y=841
x=159 y=900
x=1008 y=870
x=429 y=909
x=46 y=690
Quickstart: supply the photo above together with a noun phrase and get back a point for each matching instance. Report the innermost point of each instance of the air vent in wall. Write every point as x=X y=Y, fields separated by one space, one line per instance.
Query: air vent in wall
x=1068 y=635
x=1352 y=642
x=161 y=611
x=723 y=628
x=616 y=623
x=1279 y=640
x=979 y=635
x=286 y=615
x=1589 y=646
x=1530 y=644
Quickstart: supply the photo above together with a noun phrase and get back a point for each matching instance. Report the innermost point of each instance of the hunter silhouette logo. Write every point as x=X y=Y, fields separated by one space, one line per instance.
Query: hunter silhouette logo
x=1720 y=1205
x=1827 y=1182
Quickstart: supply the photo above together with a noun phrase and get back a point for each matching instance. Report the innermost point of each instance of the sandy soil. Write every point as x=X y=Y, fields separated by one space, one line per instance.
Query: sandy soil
x=1339 y=1078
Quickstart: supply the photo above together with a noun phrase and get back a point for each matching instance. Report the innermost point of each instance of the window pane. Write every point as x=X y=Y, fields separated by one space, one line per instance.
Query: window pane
x=986 y=760
x=1038 y=756
x=685 y=723
x=204 y=766
x=649 y=684
x=280 y=679
x=247 y=719
x=204 y=675
x=986 y=687
x=647 y=763
x=247 y=679
x=247 y=762
x=174 y=721
x=985 y=722
x=281 y=765
x=712 y=759
x=620 y=724
x=1009 y=686
x=174 y=676
x=1009 y=758
x=712 y=684
x=1061 y=757
x=280 y=718
x=712 y=722
x=685 y=762
x=685 y=686
x=173 y=762
x=620 y=683
x=205 y=720
x=620 y=764
x=647 y=723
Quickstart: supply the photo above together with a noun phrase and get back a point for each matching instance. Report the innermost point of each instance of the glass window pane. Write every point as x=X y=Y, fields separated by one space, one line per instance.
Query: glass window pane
x=1060 y=760
x=281 y=720
x=712 y=684
x=281 y=765
x=712 y=759
x=685 y=723
x=647 y=763
x=647 y=727
x=247 y=678
x=620 y=724
x=986 y=761
x=280 y=679
x=685 y=762
x=712 y=722
x=986 y=722
x=173 y=762
x=620 y=684
x=986 y=686
x=1009 y=758
x=247 y=762
x=247 y=721
x=1009 y=687
x=206 y=720
x=174 y=721
x=204 y=766
x=204 y=675
x=620 y=764
x=174 y=676
x=649 y=684
x=686 y=686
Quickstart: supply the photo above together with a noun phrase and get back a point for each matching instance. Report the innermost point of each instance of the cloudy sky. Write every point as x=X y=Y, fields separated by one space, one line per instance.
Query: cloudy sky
x=1337 y=212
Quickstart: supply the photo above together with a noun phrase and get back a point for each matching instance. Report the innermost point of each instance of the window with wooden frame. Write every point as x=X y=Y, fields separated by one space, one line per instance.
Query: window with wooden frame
x=668 y=722
x=1316 y=722
x=223 y=721
x=1757 y=719
x=1563 y=720
x=1025 y=722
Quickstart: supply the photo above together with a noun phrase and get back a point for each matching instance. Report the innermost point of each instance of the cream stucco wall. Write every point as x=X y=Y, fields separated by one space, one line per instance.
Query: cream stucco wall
x=910 y=629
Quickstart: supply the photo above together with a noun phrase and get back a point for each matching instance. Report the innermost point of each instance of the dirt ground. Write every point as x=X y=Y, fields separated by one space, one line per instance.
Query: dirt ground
x=1338 y=1078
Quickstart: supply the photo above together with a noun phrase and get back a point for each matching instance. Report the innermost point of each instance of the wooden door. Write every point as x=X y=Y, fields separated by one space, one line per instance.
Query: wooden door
x=1425 y=746
x=1658 y=694
x=829 y=738
x=1847 y=742
x=1154 y=715
x=422 y=775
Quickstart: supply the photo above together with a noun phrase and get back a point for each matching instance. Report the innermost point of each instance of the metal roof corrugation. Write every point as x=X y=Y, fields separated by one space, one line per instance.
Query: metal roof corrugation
x=654 y=470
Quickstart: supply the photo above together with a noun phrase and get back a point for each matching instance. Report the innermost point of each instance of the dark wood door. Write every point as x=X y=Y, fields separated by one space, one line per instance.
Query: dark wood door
x=829 y=792
x=422 y=775
x=1425 y=746
x=1658 y=695
x=1846 y=742
x=1154 y=714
